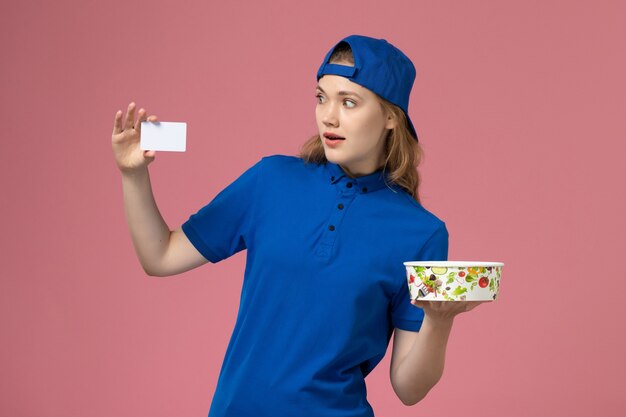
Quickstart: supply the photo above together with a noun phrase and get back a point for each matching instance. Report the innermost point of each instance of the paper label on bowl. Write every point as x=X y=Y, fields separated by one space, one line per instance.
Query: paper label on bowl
x=440 y=283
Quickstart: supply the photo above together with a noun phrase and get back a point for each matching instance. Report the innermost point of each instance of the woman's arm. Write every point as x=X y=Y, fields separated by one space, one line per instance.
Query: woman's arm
x=161 y=252
x=418 y=360
x=418 y=357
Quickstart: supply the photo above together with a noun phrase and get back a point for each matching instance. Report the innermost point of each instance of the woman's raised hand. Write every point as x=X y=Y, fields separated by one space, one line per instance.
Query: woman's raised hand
x=445 y=310
x=128 y=154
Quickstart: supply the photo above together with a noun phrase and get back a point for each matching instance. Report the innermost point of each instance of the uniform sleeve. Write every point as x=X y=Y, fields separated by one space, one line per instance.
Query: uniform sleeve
x=405 y=315
x=220 y=229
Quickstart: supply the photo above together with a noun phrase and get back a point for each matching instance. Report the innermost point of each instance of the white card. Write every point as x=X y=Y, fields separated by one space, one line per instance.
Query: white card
x=163 y=136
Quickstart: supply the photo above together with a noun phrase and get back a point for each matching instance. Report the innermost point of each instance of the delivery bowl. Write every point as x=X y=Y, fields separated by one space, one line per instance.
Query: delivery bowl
x=453 y=280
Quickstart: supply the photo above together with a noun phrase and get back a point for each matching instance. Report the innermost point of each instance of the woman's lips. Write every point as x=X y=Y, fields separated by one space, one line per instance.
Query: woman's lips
x=332 y=142
x=332 y=136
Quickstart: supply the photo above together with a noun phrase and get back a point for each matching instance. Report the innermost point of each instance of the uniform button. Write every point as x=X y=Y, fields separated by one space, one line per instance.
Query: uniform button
x=331 y=227
x=364 y=189
x=340 y=206
x=332 y=178
x=349 y=185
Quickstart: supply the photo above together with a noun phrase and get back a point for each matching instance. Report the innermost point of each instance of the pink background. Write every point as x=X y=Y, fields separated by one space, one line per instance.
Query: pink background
x=519 y=105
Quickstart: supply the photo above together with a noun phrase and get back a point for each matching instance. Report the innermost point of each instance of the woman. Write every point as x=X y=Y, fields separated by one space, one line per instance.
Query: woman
x=326 y=234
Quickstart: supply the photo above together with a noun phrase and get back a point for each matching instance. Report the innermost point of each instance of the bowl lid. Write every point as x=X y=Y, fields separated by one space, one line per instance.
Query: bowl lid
x=452 y=263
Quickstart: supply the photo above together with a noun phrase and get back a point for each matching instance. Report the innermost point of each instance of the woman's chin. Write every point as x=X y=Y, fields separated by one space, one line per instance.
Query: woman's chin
x=332 y=156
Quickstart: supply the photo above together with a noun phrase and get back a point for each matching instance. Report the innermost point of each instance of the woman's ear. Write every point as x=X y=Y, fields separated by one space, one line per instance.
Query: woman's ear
x=392 y=121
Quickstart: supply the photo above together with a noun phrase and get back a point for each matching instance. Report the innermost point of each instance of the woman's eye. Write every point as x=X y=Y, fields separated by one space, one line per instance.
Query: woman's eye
x=351 y=104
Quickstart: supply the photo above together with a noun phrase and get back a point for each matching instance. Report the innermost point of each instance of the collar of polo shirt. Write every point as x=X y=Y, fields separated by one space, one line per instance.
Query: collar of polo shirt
x=364 y=184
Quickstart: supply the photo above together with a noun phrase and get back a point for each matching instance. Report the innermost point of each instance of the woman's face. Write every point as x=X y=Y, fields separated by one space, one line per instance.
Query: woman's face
x=353 y=112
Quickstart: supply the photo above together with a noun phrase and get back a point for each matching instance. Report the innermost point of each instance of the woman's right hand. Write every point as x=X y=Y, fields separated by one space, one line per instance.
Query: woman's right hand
x=128 y=154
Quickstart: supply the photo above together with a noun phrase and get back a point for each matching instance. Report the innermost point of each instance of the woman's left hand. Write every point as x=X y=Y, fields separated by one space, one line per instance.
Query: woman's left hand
x=445 y=310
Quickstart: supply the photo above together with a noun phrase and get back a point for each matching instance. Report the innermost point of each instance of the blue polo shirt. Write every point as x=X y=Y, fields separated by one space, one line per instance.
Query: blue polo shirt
x=324 y=284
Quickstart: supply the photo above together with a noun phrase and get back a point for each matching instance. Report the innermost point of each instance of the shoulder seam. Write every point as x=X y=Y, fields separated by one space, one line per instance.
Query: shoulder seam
x=254 y=206
x=439 y=227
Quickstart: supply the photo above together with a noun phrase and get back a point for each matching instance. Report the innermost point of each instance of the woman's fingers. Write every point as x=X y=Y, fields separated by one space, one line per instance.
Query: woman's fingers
x=472 y=305
x=141 y=116
x=117 y=123
x=454 y=307
x=130 y=117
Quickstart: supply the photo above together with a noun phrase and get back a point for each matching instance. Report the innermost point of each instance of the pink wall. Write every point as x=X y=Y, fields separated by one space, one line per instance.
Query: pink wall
x=520 y=107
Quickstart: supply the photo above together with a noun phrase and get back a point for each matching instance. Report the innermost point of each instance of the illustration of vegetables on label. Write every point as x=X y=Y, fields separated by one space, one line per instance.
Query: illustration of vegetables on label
x=454 y=280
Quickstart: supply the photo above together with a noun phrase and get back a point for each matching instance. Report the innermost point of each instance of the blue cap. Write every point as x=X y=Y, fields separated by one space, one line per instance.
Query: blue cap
x=378 y=66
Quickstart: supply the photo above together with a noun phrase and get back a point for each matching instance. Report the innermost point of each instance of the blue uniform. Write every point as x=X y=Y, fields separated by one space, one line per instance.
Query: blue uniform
x=324 y=283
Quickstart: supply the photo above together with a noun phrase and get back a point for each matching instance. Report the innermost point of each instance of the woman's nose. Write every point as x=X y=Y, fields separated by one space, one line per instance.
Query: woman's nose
x=330 y=115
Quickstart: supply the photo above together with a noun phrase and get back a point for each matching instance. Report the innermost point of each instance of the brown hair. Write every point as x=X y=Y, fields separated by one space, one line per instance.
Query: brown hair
x=403 y=153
